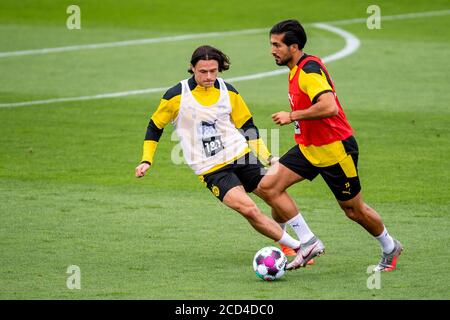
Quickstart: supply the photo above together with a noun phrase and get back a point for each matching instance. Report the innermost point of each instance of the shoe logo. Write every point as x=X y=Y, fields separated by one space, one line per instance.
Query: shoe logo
x=309 y=252
x=295 y=225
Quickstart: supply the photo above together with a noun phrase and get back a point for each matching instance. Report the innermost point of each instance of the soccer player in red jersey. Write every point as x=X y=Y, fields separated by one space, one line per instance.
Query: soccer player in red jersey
x=325 y=143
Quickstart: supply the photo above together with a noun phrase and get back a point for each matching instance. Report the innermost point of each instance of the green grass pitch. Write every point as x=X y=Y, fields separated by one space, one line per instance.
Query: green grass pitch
x=68 y=195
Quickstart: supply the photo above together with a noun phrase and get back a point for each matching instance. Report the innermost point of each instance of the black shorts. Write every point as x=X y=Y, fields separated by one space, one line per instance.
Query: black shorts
x=343 y=185
x=246 y=171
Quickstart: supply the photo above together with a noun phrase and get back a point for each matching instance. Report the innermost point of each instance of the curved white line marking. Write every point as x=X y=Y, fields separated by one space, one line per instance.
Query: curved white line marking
x=131 y=42
x=332 y=57
x=205 y=35
x=351 y=45
x=83 y=98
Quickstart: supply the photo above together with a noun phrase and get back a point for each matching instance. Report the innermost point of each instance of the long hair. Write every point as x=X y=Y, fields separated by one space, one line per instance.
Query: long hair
x=210 y=53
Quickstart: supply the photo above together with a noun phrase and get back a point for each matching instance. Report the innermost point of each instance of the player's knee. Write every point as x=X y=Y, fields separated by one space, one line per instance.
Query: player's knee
x=250 y=212
x=352 y=212
x=267 y=190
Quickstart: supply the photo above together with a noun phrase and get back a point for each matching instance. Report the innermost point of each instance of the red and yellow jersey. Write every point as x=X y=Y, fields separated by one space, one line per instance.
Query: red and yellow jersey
x=307 y=81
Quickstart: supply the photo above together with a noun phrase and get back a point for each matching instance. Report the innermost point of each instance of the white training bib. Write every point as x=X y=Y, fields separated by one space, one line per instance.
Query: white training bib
x=207 y=135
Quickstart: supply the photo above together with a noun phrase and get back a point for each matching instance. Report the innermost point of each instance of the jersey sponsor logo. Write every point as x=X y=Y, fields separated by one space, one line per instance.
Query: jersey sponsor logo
x=347 y=186
x=291 y=100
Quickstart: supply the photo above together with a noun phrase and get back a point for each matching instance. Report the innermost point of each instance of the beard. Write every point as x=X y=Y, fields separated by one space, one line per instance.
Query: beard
x=283 y=62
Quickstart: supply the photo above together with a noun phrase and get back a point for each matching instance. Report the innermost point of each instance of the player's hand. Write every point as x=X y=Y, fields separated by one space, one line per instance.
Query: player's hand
x=141 y=169
x=273 y=160
x=282 y=118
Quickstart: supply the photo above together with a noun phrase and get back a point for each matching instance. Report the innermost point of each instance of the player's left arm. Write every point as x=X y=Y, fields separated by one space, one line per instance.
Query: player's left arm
x=243 y=120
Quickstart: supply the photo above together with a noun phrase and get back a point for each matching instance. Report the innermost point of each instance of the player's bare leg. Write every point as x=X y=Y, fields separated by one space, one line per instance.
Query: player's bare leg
x=282 y=217
x=289 y=252
x=272 y=189
x=369 y=219
x=356 y=210
x=237 y=199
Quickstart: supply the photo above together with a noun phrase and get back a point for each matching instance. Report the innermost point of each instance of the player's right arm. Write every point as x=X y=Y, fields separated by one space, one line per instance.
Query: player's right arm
x=166 y=112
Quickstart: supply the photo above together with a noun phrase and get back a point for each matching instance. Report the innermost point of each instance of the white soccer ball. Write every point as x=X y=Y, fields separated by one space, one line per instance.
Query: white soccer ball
x=269 y=263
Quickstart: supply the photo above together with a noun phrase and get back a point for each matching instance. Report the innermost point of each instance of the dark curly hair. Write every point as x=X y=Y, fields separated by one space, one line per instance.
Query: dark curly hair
x=210 y=53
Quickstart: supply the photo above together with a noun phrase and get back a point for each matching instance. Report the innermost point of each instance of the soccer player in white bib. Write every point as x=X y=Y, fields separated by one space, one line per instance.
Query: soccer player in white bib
x=217 y=133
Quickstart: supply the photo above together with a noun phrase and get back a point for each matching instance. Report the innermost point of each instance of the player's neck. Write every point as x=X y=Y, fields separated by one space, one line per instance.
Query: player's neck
x=295 y=59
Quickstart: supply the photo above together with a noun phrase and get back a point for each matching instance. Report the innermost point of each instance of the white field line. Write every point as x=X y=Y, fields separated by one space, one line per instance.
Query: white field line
x=352 y=44
x=393 y=17
x=83 y=98
x=204 y=35
x=131 y=42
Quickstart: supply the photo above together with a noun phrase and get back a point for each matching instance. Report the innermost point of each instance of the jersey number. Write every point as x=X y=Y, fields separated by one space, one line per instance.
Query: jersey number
x=212 y=145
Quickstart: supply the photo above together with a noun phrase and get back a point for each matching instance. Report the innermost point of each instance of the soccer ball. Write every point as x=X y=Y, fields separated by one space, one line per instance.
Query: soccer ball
x=269 y=263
